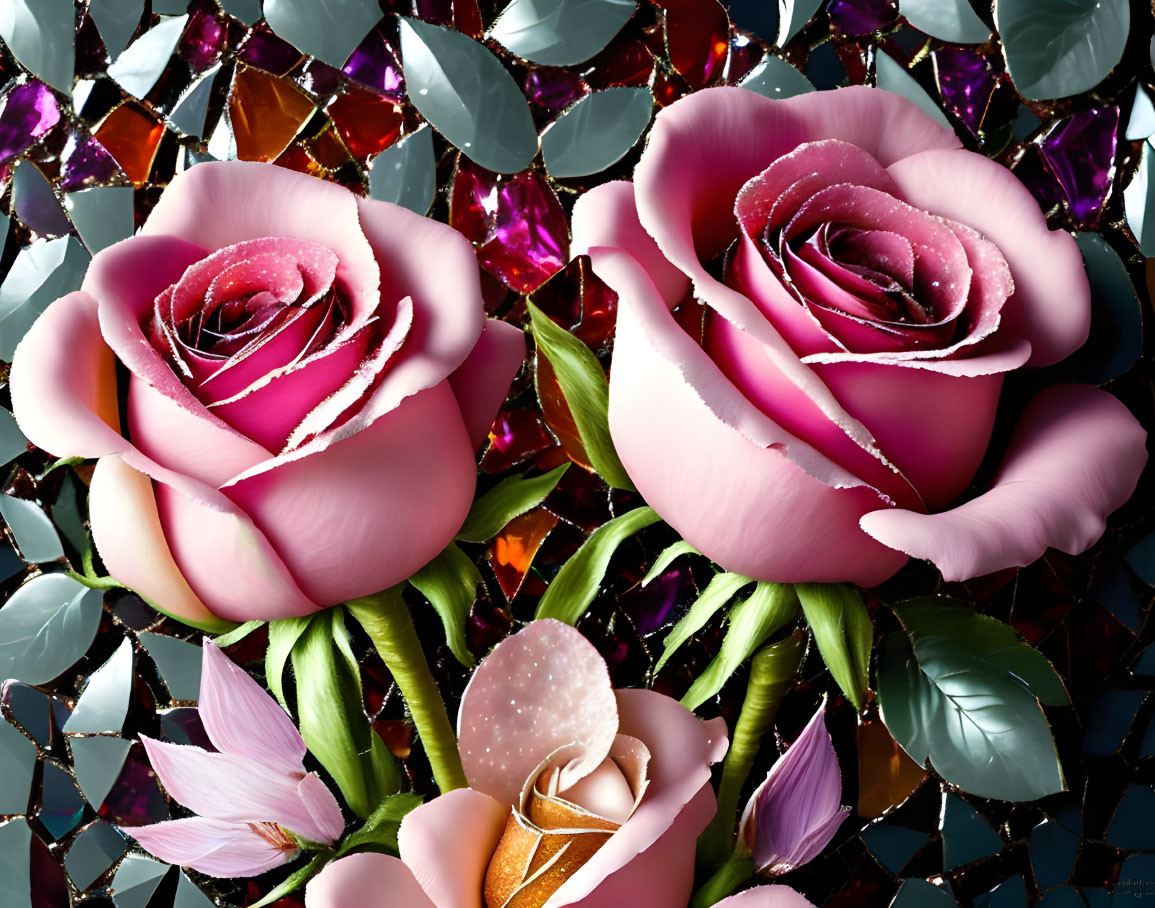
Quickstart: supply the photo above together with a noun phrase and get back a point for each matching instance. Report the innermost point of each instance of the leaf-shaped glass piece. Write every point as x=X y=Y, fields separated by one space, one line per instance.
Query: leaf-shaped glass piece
x=949 y=20
x=191 y=110
x=41 y=34
x=34 y=532
x=1139 y=201
x=92 y=852
x=916 y=893
x=893 y=76
x=46 y=626
x=116 y=20
x=460 y=87
x=560 y=32
x=405 y=173
x=42 y=273
x=138 y=68
x=792 y=15
x=178 y=662
x=102 y=216
x=328 y=29
x=17 y=763
x=1062 y=47
x=775 y=78
x=97 y=761
x=34 y=201
x=104 y=703
x=596 y=132
x=248 y=11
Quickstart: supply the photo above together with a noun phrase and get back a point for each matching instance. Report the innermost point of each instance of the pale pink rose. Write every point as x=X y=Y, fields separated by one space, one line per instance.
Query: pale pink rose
x=308 y=375
x=604 y=792
x=820 y=415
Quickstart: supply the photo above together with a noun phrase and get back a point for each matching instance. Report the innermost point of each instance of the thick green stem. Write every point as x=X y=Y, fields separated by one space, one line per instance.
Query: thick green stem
x=729 y=877
x=771 y=670
x=385 y=618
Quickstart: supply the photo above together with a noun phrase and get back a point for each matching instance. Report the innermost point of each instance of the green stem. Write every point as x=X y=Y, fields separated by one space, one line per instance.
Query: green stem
x=728 y=877
x=385 y=618
x=95 y=583
x=771 y=671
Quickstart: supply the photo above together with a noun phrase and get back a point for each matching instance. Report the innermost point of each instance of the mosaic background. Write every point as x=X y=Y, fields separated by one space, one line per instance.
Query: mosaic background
x=103 y=104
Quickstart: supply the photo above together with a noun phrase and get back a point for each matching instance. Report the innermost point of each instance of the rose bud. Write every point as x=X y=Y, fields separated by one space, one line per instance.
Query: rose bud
x=307 y=375
x=795 y=812
x=818 y=300
x=579 y=794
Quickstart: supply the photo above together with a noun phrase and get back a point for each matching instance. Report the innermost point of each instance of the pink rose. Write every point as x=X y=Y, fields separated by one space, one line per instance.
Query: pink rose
x=579 y=794
x=820 y=415
x=308 y=375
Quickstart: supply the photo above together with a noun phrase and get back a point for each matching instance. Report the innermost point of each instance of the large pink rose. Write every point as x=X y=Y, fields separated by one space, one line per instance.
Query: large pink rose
x=818 y=301
x=579 y=794
x=308 y=375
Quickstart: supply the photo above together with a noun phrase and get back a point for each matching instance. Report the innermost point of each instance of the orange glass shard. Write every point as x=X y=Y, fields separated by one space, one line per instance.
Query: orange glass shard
x=368 y=122
x=131 y=135
x=557 y=414
x=512 y=551
x=887 y=776
x=266 y=113
x=328 y=150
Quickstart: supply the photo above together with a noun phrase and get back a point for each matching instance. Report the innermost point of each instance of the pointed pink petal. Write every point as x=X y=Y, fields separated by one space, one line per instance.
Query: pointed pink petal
x=482 y=381
x=607 y=216
x=367 y=881
x=715 y=466
x=448 y=843
x=322 y=806
x=242 y=719
x=219 y=204
x=127 y=532
x=1051 y=305
x=542 y=688
x=212 y=847
x=1075 y=457
x=234 y=789
x=676 y=807
x=381 y=500
x=766 y=897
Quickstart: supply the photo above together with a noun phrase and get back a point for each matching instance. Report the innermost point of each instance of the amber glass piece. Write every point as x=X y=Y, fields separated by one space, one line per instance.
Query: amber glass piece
x=328 y=150
x=557 y=415
x=512 y=551
x=368 y=122
x=131 y=135
x=266 y=112
x=886 y=775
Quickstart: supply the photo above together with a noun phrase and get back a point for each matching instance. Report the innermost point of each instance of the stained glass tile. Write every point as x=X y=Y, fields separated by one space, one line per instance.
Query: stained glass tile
x=265 y=113
x=132 y=136
x=95 y=849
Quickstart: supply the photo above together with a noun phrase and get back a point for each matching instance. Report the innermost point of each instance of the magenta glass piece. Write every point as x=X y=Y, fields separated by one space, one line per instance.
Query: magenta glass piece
x=1080 y=151
x=85 y=163
x=50 y=888
x=966 y=81
x=319 y=78
x=553 y=89
x=30 y=110
x=653 y=605
x=374 y=66
x=203 y=40
x=860 y=17
x=439 y=12
x=266 y=51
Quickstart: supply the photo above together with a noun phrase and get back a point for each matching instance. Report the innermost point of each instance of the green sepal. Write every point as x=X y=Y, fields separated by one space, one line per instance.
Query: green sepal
x=450 y=584
x=843 y=632
x=771 y=606
x=379 y=833
x=510 y=498
x=237 y=634
x=294 y=880
x=720 y=590
x=332 y=718
x=62 y=462
x=283 y=634
x=587 y=393
x=577 y=583
x=666 y=558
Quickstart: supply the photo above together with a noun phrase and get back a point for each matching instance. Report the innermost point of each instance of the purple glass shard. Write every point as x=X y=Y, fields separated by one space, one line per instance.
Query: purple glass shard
x=861 y=17
x=553 y=89
x=531 y=239
x=966 y=81
x=373 y=65
x=1080 y=151
x=266 y=51
x=30 y=110
x=136 y=798
x=85 y=163
x=203 y=40
x=1034 y=172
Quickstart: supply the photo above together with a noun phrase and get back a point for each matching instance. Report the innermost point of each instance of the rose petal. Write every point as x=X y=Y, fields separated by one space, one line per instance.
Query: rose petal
x=766 y=897
x=127 y=532
x=1051 y=304
x=733 y=483
x=368 y=880
x=540 y=689
x=233 y=788
x=221 y=203
x=212 y=847
x=242 y=719
x=1075 y=457
x=464 y=824
x=482 y=381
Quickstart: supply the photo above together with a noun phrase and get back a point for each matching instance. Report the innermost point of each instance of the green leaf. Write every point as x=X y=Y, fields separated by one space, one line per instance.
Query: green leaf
x=948 y=20
x=380 y=830
x=450 y=584
x=1061 y=47
x=283 y=635
x=41 y=35
x=577 y=583
x=596 y=132
x=721 y=589
x=510 y=498
x=45 y=626
x=294 y=880
x=767 y=609
x=961 y=693
x=666 y=558
x=237 y=634
x=332 y=718
x=560 y=32
x=843 y=632
x=587 y=393
x=460 y=87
